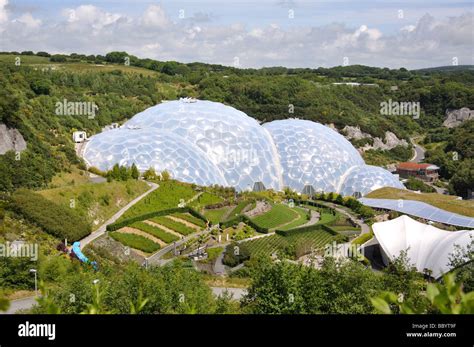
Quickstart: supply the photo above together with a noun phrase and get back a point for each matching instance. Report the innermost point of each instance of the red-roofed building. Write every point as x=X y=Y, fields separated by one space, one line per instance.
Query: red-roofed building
x=426 y=172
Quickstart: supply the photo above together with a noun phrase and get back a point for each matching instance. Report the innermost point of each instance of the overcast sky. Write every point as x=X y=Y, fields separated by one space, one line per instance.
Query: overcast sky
x=410 y=33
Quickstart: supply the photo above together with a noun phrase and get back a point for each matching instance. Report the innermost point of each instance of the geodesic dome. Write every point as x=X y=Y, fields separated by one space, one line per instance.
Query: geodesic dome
x=206 y=143
x=366 y=178
x=233 y=141
x=152 y=148
x=312 y=154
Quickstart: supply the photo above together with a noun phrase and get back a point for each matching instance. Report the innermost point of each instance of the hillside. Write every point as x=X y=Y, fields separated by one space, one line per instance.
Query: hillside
x=29 y=94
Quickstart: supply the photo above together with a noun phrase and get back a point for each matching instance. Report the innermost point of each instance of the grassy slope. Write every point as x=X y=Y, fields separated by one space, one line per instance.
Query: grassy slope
x=278 y=215
x=167 y=196
x=445 y=202
x=90 y=199
x=215 y=215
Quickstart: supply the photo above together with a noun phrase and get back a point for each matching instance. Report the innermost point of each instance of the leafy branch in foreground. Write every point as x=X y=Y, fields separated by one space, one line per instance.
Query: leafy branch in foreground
x=446 y=298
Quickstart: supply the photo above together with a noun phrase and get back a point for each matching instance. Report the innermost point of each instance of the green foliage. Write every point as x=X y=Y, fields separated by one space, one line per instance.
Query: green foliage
x=235 y=254
x=14 y=273
x=135 y=241
x=57 y=220
x=285 y=288
x=445 y=298
x=416 y=184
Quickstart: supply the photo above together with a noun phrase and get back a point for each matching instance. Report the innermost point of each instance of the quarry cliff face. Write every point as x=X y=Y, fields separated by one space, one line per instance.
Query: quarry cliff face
x=11 y=140
x=455 y=118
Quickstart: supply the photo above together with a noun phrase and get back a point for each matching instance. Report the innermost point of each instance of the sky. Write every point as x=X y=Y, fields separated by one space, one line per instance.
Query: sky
x=409 y=33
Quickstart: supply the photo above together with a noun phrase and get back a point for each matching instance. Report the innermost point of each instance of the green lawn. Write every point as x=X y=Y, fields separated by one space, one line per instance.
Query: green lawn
x=135 y=241
x=270 y=244
x=173 y=225
x=215 y=215
x=190 y=218
x=302 y=219
x=278 y=215
x=168 y=195
x=206 y=199
x=155 y=231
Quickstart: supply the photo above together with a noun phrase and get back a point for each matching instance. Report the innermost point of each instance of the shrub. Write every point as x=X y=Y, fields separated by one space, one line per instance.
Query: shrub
x=57 y=220
x=235 y=254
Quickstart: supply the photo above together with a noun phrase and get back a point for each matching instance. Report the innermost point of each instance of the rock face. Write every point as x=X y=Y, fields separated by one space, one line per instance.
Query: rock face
x=11 y=140
x=390 y=141
x=455 y=118
x=354 y=133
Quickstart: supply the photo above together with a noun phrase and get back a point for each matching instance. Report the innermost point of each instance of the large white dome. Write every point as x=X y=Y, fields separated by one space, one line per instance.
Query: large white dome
x=206 y=142
x=152 y=148
x=312 y=154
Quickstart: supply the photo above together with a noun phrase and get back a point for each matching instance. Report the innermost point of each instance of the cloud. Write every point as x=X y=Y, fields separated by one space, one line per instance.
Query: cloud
x=89 y=29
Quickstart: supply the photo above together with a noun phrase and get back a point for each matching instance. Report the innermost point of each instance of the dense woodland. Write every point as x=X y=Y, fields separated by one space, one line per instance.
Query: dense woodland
x=29 y=92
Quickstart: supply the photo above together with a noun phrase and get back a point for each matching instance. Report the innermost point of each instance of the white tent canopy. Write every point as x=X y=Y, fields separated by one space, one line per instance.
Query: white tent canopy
x=427 y=247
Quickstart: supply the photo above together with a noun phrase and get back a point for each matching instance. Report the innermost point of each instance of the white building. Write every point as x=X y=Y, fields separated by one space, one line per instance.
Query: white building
x=79 y=136
x=427 y=247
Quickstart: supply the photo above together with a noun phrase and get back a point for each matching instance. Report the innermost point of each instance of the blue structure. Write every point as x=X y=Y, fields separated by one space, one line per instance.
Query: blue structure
x=421 y=210
x=76 y=249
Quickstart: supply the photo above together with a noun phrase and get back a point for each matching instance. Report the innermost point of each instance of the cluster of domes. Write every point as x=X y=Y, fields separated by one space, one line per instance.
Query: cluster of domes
x=206 y=143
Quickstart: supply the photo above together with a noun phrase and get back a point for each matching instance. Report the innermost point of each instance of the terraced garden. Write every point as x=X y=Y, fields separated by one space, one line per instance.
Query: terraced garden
x=173 y=225
x=316 y=239
x=155 y=231
x=135 y=241
x=190 y=218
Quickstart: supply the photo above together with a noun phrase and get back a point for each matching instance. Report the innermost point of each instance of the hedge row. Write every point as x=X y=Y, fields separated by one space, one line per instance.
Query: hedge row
x=60 y=221
x=127 y=222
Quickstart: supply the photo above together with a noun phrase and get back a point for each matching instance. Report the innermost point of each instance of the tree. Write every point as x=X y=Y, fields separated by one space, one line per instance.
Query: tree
x=165 y=175
x=150 y=174
x=134 y=172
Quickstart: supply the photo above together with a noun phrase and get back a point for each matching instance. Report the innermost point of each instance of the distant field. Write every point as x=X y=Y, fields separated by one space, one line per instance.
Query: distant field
x=278 y=215
x=43 y=62
x=445 y=202
x=316 y=239
x=24 y=59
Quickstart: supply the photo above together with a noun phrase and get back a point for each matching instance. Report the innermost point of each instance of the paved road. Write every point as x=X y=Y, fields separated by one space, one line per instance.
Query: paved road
x=101 y=231
x=20 y=304
x=155 y=259
x=419 y=154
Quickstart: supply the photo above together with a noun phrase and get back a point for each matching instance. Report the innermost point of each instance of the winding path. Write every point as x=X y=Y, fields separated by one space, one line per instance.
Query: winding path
x=101 y=231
